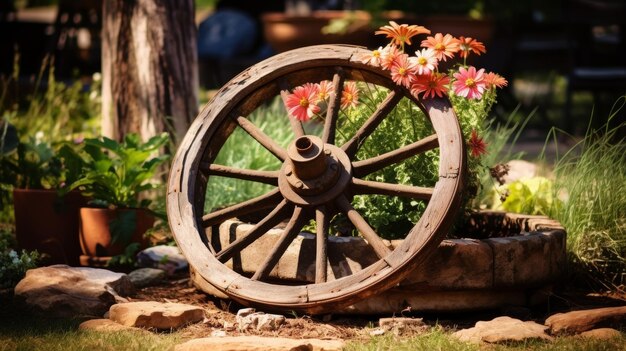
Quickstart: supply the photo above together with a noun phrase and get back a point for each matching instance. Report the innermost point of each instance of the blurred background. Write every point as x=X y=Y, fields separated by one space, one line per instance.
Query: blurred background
x=563 y=58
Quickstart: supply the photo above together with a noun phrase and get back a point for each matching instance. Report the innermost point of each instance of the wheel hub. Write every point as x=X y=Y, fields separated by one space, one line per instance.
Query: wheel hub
x=314 y=172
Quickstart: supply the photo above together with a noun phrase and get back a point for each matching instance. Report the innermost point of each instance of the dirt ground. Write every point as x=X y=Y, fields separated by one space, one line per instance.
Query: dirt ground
x=221 y=313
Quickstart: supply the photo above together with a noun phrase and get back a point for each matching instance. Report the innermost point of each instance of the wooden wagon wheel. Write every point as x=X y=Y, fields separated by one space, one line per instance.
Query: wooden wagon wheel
x=316 y=180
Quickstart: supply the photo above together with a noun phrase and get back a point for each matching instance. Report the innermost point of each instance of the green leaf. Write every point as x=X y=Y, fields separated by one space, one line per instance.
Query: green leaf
x=122 y=227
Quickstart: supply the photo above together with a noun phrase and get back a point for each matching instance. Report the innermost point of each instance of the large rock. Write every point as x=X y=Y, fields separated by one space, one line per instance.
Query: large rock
x=248 y=318
x=167 y=258
x=579 y=321
x=105 y=325
x=146 y=276
x=503 y=330
x=64 y=291
x=157 y=315
x=601 y=334
x=254 y=343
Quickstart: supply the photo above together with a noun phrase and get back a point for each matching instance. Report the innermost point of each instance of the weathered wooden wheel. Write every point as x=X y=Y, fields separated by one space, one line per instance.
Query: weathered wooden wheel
x=316 y=180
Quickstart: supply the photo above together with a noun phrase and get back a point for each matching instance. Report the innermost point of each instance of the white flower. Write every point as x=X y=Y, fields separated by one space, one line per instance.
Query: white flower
x=96 y=77
x=12 y=254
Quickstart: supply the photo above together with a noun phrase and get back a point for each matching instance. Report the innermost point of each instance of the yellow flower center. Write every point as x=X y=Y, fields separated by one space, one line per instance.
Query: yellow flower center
x=402 y=71
x=304 y=102
x=422 y=61
x=347 y=96
x=469 y=82
x=376 y=53
x=439 y=47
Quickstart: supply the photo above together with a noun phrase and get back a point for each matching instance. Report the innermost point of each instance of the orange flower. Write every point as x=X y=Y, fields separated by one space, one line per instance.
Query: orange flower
x=495 y=80
x=373 y=57
x=349 y=95
x=469 y=44
x=401 y=33
x=324 y=89
x=431 y=85
x=477 y=145
x=445 y=46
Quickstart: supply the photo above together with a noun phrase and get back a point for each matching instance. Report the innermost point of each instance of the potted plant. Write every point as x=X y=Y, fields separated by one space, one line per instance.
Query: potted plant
x=34 y=172
x=115 y=176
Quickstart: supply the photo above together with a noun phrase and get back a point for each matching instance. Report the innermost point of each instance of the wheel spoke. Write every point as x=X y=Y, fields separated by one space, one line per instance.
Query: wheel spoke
x=371 y=165
x=360 y=186
x=321 y=255
x=296 y=125
x=290 y=232
x=330 y=124
x=361 y=225
x=267 y=200
x=352 y=145
x=267 y=177
x=262 y=138
x=267 y=223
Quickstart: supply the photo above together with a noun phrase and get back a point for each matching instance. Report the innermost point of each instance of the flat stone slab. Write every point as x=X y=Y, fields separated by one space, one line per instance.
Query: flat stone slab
x=143 y=277
x=503 y=330
x=105 y=325
x=259 y=343
x=64 y=291
x=167 y=258
x=601 y=334
x=155 y=315
x=576 y=322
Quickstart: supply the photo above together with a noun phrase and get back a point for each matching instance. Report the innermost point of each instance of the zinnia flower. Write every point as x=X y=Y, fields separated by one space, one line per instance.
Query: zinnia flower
x=324 y=88
x=350 y=95
x=431 y=85
x=445 y=46
x=495 y=80
x=469 y=83
x=373 y=57
x=425 y=61
x=388 y=56
x=469 y=44
x=477 y=145
x=301 y=104
x=403 y=70
x=401 y=33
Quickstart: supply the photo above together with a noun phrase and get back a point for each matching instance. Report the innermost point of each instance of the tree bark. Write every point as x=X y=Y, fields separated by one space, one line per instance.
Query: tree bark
x=149 y=67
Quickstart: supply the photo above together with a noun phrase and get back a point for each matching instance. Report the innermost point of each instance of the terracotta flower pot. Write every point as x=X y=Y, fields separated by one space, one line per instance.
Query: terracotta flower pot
x=97 y=229
x=48 y=223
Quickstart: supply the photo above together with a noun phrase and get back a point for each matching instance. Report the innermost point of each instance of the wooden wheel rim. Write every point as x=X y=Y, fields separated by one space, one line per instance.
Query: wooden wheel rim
x=185 y=207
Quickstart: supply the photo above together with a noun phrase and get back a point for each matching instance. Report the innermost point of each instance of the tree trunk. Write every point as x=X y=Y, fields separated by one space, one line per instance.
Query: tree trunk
x=149 y=67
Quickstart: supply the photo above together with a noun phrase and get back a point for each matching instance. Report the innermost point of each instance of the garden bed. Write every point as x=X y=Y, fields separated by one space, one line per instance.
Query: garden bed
x=501 y=259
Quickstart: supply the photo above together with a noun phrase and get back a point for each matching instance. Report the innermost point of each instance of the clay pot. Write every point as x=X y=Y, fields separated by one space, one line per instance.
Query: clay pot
x=96 y=234
x=48 y=223
x=285 y=32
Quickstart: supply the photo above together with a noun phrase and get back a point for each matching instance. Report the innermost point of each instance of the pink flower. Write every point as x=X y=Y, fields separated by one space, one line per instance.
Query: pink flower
x=469 y=83
x=302 y=103
x=373 y=57
x=349 y=95
x=425 y=61
x=445 y=46
x=388 y=56
x=495 y=80
x=403 y=71
x=324 y=89
x=431 y=85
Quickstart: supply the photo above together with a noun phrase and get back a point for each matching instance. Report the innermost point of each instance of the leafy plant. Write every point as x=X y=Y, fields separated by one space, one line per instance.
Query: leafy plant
x=116 y=174
x=13 y=264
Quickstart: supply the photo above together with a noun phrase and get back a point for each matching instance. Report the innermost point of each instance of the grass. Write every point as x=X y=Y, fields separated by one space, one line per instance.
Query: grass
x=590 y=179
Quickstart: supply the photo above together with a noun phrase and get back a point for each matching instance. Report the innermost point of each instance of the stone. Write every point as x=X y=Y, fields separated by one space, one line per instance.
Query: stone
x=519 y=169
x=576 y=322
x=401 y=324
x=248 y=318
x=259 y=343
x=167 y=258
x=601 y=334
x=105 y=325
x=63 y=291
x=157 y=315
x=503 y=330
x=143 y=277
